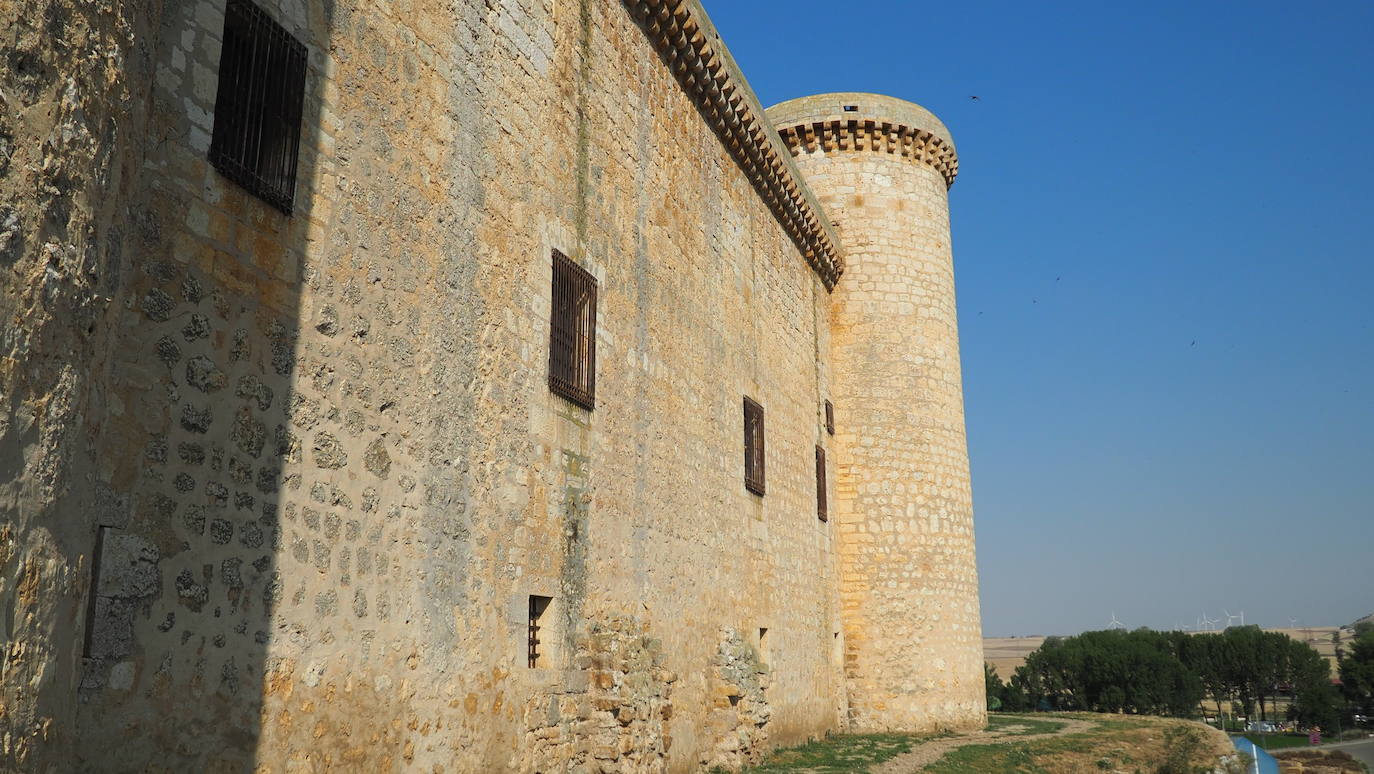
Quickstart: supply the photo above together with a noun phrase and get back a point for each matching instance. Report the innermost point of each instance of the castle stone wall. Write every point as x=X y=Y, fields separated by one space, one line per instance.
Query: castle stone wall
x=319 y=455
x=73 y=79
x=881 y=168
x=276 y=491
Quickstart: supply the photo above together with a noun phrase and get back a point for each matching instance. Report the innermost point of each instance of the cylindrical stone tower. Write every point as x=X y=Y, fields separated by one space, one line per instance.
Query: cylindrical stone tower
x=881 y=168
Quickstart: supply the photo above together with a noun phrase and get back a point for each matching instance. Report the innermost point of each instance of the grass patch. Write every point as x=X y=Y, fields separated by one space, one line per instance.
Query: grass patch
x=1279 y=741
x=1022 y=725
x=1146 y=746
x=983 y=758
x=839 y=754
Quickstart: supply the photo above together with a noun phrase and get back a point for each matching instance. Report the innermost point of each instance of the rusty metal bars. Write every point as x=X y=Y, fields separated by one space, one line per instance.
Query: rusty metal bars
x=754 y=479
x=537 y=607
x=256 y=139
x=572 y=332
x=822 y=511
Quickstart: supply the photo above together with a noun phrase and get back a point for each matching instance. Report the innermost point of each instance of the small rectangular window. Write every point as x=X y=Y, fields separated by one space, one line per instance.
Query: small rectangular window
x=821 y=512
x=538 y=606
x=830 y=417
x=93 y=600
x=572 y=333
x=753 y=447
x=258 y=107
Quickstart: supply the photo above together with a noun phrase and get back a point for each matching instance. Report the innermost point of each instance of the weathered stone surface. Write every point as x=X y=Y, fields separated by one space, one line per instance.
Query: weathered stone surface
x=202 y=374
x=895 y=352
x=249 y=435
x=195 y=418
x=197 y=328
x=329 y=452
x=157 y=305
x=376 y=458
x=128 y=567
x=168 y=351
x=375 y=616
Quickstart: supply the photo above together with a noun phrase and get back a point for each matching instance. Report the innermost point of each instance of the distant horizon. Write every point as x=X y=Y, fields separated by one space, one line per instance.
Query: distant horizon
x=1219 y=628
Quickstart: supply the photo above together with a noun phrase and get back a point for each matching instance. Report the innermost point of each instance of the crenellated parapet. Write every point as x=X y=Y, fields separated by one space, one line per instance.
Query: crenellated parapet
x=689 y=44
x=873 y=123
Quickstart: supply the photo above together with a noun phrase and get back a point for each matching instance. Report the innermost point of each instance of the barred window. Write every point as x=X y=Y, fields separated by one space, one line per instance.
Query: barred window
x=538 y=606
x=830 y=417
x=258 y=108
x=572 y=333
x=821 y=511
x=753 y=447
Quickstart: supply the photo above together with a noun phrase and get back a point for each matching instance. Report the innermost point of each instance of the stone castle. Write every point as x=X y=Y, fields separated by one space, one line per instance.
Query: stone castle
x=465 y=387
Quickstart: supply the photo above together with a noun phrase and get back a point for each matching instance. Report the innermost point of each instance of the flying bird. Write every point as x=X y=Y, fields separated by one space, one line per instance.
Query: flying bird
x=1194 y=344
x=974 y=98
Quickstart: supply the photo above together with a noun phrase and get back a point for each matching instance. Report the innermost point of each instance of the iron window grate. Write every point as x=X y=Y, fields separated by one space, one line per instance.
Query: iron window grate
x=258 y=107
x=754 y=479
x=537 y=607
x=829 y=417
x=572 y=333
x=822 y=512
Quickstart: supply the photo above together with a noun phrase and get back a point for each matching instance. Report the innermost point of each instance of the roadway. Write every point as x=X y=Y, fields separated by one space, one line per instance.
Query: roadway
x=1363 y=750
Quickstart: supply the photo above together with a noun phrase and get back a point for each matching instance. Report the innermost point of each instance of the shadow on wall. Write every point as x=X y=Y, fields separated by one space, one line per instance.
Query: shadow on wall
x=147 y=391
x=202 y=360
x=203 y=415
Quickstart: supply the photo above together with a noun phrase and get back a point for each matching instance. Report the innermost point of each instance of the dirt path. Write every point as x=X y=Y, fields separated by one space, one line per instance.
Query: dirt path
x=923 y=755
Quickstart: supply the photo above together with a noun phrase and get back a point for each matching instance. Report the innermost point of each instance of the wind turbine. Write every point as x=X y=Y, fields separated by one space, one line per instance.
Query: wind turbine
x=1230 y=618
x=1115 y=624
x=1208 y=623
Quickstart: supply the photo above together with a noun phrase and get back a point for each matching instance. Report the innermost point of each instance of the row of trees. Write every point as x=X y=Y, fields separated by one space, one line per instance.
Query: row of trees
x=1169 y=673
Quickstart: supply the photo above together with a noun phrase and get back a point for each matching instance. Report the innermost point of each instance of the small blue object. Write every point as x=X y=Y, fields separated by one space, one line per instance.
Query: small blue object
x=1267 y=763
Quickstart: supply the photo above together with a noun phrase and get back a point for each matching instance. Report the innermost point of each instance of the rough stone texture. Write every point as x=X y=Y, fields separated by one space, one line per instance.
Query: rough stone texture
x=903 y=500
x=610 y=714
x=321 y=448
x=71 y=79
x=739 y=705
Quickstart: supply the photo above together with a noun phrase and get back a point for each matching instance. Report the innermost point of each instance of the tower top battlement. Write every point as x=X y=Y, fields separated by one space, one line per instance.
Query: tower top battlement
x=857 y=121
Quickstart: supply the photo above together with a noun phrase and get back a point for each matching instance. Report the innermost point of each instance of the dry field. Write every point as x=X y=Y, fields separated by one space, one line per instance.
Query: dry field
x=1049 y=743
x=1008 y=653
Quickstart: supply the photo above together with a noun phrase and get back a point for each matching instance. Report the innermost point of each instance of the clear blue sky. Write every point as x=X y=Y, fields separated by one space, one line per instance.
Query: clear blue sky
x=1163 y=240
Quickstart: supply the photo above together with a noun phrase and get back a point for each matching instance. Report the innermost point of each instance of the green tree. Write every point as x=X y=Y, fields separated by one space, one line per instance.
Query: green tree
x=1357 y=673
x=1315 y=701
x=1110 y=671
x=1014 y=698
x=993 y=687
x=1318 y=705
